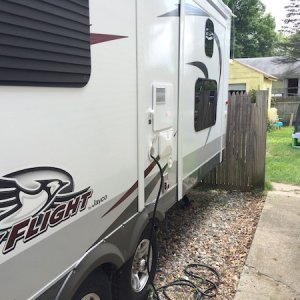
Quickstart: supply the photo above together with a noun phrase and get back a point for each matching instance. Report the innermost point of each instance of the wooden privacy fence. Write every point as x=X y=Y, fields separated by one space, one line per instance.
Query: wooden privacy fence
x=287 y=108
x=243 y=166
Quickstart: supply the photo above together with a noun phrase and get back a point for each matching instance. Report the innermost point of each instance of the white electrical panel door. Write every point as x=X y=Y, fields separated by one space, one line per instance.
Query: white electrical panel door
x=165 y=143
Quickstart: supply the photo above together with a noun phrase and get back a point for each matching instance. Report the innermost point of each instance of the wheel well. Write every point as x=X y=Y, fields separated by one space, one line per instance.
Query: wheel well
x=109 y=269
x=96 y=260
x=157 y=223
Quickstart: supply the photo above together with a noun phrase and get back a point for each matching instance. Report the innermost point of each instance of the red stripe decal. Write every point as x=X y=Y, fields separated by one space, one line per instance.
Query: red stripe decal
x=132 y=189
x=123 y=198
x=150 y=168
x=97 y=38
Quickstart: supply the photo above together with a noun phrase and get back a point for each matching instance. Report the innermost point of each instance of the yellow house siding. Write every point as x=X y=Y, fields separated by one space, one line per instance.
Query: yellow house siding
x=254 y=80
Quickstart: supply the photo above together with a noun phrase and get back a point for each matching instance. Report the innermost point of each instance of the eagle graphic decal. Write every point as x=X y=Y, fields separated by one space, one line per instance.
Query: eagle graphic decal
x=33 y=200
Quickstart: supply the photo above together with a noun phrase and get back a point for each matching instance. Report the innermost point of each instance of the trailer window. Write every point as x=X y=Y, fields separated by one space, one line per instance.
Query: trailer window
x=209 y=38
x=206 y=98
x=45 y=43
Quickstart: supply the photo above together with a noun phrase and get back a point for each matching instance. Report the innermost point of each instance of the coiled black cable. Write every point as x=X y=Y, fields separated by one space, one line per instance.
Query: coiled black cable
x=211 y=286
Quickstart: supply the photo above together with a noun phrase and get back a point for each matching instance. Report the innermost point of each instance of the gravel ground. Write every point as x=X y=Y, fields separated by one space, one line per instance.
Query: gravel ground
x=217 y=229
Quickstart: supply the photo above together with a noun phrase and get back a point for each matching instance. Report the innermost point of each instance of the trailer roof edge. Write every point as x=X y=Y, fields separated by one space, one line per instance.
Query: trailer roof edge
x=227 y=13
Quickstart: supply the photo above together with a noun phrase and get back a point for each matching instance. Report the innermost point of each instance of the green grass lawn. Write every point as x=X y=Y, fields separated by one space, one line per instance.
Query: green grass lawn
x=283 y=161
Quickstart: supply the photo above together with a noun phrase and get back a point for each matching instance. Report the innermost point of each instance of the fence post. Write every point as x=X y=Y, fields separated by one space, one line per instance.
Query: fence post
x=259 y=129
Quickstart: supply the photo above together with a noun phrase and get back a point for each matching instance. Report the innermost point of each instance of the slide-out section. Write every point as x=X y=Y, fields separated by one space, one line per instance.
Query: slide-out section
x=202 y=100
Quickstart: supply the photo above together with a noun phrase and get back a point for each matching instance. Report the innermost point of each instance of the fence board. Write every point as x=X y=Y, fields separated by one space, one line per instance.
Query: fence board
x=286 y=108
x=243 y=166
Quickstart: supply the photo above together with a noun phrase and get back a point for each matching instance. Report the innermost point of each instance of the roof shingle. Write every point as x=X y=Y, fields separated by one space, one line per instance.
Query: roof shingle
x=273 y=66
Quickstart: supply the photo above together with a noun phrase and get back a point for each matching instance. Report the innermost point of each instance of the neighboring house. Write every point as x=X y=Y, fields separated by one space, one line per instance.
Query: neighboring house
x=244 y=78
x=288 y=74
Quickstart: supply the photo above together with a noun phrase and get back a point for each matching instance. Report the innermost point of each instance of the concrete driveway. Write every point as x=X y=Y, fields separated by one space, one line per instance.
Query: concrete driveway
x=272 y=270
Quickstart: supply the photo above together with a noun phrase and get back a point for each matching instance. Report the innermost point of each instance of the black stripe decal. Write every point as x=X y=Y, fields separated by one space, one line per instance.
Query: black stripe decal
x=220 y=55
x=200 y=65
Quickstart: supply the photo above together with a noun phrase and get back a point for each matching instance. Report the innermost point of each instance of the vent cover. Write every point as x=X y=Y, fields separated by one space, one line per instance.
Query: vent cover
x=160 y=95
x=163 y=106
x=44 y=43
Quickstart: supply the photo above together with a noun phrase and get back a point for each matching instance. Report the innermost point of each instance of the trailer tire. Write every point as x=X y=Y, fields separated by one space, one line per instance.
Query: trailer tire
x=129 y=278
x=95 y=287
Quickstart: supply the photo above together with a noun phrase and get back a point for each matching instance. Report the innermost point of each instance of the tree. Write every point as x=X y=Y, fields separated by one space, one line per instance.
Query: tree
x=253 y=31
x=292 y=20
x=291 y=46
x=279 y=49
x=290 y=49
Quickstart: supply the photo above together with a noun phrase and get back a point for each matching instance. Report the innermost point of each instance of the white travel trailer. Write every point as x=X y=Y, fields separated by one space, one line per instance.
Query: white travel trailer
x=89 y=90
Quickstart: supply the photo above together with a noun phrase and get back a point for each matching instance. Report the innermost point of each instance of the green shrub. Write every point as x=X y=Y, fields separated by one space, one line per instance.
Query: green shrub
x=252 y=94
x=270 y=126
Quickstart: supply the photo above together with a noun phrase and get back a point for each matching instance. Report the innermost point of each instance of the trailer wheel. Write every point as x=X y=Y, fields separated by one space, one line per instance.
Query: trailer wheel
x=95 y=287
x=133 y=278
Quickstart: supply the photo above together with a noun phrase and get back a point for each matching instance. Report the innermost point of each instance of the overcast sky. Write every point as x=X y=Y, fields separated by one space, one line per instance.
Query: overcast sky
x=276 y=8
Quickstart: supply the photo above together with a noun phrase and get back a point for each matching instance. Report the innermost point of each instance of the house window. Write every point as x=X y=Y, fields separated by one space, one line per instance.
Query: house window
x=239 y=88
x=206 y=98
x=45 y=43
x=209 y=38
x=293 y=86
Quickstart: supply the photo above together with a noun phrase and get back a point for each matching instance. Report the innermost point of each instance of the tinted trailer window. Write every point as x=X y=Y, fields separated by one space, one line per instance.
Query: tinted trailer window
x=206 y=98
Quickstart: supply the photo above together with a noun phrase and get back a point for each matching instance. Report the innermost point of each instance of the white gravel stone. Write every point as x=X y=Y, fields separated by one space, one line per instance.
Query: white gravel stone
x=216 y=229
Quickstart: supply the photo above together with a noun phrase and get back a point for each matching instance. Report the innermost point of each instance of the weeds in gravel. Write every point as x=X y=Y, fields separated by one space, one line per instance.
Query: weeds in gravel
x=268 y=186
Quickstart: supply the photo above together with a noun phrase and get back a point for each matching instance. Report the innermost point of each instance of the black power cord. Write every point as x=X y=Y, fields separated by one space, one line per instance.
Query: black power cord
x=153 y=219
x=211 y=286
